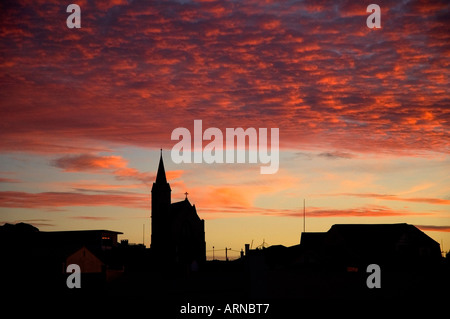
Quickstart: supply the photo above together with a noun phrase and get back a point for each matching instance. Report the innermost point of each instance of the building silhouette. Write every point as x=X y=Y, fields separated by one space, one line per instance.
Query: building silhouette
x=178 y=233
x=35 y=259
x=357 y=245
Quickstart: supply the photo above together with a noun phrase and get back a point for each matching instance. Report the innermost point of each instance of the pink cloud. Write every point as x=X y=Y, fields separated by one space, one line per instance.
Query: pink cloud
x=88 y=162
x=9 y=180
x=93 y=218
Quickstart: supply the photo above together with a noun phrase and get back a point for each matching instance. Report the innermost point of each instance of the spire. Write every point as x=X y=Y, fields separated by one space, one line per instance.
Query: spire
x=161 y=174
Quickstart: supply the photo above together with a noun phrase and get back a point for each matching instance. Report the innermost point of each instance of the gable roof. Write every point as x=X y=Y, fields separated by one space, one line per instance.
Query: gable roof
x=378 y=233
x=370 y=240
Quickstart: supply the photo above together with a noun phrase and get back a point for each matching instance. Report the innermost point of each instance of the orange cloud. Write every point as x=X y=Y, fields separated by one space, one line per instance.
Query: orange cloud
x=433 y=228
x=222 y=196
x=365 y=211
x=116 y=165
x=435 y=201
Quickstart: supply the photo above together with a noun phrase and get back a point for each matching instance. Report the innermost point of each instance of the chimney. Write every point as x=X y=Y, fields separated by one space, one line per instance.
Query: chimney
x=247 y=249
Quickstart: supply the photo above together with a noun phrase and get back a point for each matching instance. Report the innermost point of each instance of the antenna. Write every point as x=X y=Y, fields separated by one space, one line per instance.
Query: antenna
x=304 y=216
x=263 y=245
x=143 y=234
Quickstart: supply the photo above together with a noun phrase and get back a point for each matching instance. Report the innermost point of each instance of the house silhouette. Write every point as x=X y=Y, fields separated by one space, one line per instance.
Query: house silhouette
x=357 y=245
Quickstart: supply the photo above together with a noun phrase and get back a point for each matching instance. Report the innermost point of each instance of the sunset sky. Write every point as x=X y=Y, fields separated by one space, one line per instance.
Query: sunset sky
x=363 y=114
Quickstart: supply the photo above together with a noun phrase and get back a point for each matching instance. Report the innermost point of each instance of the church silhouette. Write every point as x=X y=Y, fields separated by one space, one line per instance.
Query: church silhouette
x=178 y=233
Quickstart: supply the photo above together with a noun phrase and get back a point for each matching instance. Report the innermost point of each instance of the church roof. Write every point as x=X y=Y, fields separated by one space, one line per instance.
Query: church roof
x=184 y=207
x=181 y=204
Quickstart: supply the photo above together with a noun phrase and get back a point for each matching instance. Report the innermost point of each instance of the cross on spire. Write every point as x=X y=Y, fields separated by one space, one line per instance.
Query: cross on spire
x=186 y=194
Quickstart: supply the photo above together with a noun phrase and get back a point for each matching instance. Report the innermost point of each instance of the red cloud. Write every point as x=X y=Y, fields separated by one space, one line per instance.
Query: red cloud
x=54 y=200
x=312 y=69
x=108 y=4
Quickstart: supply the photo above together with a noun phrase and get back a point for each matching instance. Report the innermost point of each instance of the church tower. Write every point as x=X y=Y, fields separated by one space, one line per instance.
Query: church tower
x=178 y=233
x=161 y=200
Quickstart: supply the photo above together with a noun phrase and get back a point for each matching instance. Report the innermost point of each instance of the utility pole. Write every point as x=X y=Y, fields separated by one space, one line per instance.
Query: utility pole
x=226 y=253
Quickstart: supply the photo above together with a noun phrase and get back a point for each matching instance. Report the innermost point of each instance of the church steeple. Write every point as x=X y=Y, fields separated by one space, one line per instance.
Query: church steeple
x=161 y=174
x=161 y=200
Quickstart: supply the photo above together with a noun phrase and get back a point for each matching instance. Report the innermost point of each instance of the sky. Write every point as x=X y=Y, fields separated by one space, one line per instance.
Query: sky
x=363 y=114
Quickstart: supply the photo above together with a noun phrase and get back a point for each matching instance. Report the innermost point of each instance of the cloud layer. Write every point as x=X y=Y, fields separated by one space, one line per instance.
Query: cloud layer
x=137 y=70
